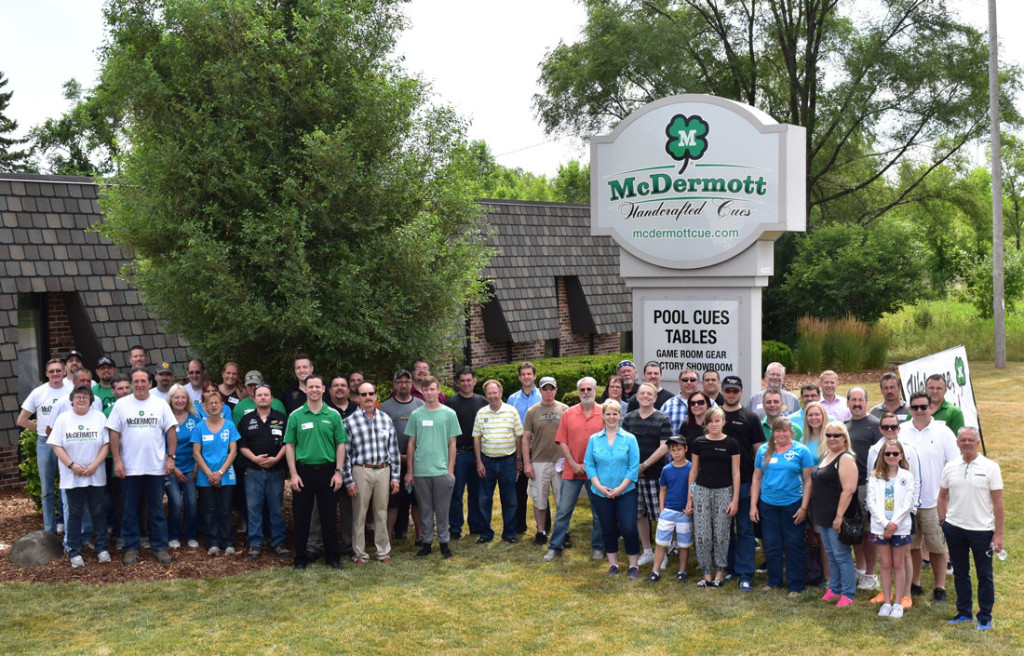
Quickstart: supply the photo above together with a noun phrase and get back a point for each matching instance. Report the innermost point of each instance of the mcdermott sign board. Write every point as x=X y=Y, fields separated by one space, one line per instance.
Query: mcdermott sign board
x=690 y=181
x=702 y=335
x=954 y=368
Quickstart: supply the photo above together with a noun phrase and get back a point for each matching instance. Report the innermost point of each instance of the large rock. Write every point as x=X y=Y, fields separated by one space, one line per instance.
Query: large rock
x=36 y=549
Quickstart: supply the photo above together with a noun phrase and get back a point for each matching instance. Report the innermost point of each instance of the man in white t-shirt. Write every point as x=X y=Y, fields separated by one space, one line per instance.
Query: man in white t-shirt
x=143 y=440
x=40 y=403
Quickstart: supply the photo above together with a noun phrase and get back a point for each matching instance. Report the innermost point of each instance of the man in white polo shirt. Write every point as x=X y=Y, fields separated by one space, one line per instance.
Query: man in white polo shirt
x=497 y=436
x=971 y=512
x=143 y=440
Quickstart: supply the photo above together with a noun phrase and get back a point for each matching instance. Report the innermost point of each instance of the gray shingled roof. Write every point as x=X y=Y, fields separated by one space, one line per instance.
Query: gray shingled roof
x=537 y=242
x=45 y=246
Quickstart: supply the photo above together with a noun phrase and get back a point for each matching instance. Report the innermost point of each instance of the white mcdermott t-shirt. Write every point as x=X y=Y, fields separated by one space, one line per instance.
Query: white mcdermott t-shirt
x=82 y=436
x=142 y=425
x=41 y=401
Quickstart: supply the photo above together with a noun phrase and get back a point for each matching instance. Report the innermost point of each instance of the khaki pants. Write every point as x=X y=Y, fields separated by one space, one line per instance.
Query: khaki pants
x=374 y=487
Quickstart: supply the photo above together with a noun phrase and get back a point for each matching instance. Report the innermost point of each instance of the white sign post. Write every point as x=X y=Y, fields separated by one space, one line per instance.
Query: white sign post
x=695 y=189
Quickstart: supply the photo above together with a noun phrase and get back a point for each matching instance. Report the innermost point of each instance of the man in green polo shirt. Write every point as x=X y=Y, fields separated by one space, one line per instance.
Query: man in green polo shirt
x=314 y=445
x=942 y=409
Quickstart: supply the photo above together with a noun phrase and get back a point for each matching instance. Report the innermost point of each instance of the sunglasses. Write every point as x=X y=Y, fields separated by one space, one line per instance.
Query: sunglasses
x=367 y=394
x=919 y=408
x=688 y=380
x=698 y=402
x=893 y=454
x=834 y=435
x=889 y=427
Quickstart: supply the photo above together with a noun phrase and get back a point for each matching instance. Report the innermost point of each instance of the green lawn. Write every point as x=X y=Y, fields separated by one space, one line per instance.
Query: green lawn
x=504 y=599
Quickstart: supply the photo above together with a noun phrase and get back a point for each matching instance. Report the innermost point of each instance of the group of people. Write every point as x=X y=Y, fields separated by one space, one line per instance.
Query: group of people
x=706 y=471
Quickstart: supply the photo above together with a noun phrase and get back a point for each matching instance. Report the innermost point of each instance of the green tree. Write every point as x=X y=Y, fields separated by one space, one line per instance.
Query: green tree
x=84 y=141
x=286 y=186
x=873 y=88
x=1013 y=186
x=11 y=160
x=572 y=184
x=842 y=269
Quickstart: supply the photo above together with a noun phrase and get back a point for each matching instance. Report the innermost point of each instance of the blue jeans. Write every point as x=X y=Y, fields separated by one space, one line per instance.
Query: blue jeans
x=783 y=540
x=741 y=539
x=152 y=487
x=181 y=496
x=268 y=485
x=618 y=514
x=47 y=460
x=566 y=505
x=962 y=545
x=500 y=472
x=466 y=480
x=85 y=521
x=842 y=577
x=95 y=498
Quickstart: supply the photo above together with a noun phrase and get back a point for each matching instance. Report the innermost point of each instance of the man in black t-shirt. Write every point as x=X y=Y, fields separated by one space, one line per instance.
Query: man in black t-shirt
x=466 y=404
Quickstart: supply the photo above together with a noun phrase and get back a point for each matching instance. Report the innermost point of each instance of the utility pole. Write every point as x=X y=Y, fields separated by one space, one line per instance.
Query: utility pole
x=998 y=306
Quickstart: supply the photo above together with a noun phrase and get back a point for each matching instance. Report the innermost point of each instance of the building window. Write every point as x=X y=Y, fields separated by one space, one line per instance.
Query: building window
x=551 y=348
x=32 y=345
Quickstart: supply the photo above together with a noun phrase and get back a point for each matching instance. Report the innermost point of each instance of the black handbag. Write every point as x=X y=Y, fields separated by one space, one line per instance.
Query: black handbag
x=851 y=531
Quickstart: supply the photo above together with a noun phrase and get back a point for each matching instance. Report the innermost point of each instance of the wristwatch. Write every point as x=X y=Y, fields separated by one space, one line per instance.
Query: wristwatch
x=172 y=456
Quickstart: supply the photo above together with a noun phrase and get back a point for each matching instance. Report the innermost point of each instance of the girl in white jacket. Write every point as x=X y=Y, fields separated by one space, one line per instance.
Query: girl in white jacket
x=890 y=498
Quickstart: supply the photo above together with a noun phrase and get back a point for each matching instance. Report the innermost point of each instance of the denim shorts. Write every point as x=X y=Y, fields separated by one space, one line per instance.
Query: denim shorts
x=894 y=541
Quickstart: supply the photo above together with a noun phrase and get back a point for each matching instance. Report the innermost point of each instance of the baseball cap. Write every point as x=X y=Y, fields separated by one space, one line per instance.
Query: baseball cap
x=165 y=368
x=253 y=377
x=625 y=363
x=104 y=362
x=402 y=372
x=73 y=354
x=732 y=382
x=548 y=380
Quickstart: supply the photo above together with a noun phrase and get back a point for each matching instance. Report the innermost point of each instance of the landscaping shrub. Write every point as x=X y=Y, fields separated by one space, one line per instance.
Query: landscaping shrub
x=847 y=338
x=876 y=353
x=566 y=371
x=810 y=344
x=30 y=468
x=773 y=351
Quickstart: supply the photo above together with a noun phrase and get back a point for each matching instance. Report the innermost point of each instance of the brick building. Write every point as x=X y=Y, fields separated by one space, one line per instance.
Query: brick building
x=556 y=291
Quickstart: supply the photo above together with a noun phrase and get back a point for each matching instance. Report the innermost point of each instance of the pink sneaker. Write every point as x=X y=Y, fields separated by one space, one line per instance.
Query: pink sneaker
x=829 y=595
x=844 y=601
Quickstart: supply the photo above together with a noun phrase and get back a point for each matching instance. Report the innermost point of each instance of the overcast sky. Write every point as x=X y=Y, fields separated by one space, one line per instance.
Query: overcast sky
x=481 y=58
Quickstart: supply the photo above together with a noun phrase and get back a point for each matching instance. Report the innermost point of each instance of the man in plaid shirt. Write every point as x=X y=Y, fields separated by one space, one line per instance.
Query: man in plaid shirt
x=371 y=470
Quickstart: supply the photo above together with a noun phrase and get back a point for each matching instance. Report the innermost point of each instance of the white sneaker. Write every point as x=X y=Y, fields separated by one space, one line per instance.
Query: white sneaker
x=551 y=555
x=213 y=551
x=646 y=558
x=897 y=611
x=229 y=551
x=597 y=555
x=193 y=544
x=174 y=544
x=77 y=561
x=867 y=582
x=885 y=610
x=103 y=556
x=60 y=529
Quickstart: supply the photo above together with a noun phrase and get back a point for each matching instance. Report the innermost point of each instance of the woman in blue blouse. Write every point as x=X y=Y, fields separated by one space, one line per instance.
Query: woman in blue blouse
x=779 y=496
x=612 y=462
x=214 y=446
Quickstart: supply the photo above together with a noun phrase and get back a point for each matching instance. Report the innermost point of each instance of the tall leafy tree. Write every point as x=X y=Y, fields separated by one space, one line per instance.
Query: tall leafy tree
x=85 y=140
x=1013 y=186
x=287 y=186
x=873 y=88
x=12 y=160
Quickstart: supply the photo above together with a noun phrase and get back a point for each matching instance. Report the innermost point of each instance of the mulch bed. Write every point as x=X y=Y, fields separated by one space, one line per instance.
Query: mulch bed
x=18 y=517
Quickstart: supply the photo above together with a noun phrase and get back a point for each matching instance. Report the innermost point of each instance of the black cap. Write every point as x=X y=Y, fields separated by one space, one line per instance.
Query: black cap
x=105 y=361
x=402 y=373
x=732 y=382
x=73 y=354
x=676 y=439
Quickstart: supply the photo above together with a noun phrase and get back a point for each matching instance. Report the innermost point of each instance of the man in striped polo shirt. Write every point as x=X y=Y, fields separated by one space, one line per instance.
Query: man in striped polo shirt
x=497 y=434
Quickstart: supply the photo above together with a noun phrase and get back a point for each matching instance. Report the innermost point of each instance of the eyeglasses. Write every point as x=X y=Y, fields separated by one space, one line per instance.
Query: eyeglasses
x=834 y=435
x=586 y=389
x=893 y=454
x=889 y=427
x=367 y=394
x=194 y=373
x=688 y=380
x=55 y=371
x=919 y=408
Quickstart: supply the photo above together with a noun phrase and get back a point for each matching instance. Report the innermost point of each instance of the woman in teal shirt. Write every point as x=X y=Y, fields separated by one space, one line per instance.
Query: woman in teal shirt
x=612 y=462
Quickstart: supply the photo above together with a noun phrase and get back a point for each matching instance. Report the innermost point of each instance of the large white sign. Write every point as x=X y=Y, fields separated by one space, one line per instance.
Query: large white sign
x=693 y=180
x=952 y=365
x=701 y=335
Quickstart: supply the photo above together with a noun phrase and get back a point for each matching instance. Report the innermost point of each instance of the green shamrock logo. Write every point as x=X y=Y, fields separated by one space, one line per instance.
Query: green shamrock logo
x=142 y=413
x=686 y=138
x=961 y=373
